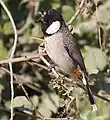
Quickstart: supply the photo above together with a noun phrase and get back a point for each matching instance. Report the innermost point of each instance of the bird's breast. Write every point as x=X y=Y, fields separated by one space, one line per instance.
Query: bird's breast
x=57 y=52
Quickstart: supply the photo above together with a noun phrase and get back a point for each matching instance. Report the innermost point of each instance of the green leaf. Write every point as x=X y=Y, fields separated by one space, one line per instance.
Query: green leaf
x=55 y=5
x=20 y=101
x=49 y=104
x=67 y=12
x=87 y=27
x=7 y=28
x=3 y=51
x=4 y=117
x=95 y=60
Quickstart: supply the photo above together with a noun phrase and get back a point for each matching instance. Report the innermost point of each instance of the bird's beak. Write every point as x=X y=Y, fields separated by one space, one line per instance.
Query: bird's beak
x=40 y=16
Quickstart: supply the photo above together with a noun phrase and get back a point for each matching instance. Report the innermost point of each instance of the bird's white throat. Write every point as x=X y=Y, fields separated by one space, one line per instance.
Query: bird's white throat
x=53 y=28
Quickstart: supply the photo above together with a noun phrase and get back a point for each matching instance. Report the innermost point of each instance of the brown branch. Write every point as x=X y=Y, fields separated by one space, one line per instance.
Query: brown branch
x=100 y=28
x=68 y=118
x=21 y=59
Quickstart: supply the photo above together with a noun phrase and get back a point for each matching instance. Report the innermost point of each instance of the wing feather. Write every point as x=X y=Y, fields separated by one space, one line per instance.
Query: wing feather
x=73 y=50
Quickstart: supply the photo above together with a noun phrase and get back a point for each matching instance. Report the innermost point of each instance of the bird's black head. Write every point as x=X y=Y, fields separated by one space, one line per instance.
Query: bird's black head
x=51 y=21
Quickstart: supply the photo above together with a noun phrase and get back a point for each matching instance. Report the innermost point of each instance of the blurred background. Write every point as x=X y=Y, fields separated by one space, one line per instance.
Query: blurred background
x=33 y=85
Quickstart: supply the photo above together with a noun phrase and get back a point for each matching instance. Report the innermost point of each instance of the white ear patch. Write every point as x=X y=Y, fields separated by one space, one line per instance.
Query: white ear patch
x=53 y=28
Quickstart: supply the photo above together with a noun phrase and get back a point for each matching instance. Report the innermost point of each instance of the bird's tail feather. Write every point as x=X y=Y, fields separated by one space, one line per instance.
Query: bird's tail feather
x=81 y=75
x=91 y=98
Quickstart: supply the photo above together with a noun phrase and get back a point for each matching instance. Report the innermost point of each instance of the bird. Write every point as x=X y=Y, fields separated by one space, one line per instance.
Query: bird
x=63 y=49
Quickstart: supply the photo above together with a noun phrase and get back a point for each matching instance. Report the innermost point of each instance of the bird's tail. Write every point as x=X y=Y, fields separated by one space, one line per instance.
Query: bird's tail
x=81 y=75
x=90 y=95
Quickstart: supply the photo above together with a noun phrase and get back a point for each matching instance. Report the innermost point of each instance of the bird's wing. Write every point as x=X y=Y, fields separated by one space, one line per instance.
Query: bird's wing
x=73 y=50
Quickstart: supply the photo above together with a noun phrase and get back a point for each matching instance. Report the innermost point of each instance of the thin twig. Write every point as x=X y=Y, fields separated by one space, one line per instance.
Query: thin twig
x=11 y=55
x=29 y=21
x=5 y=109
x=48 y=64
x=13 y=25
x=21 y=59
x=41 y=40
x=99 y=27
x=67 y=118
x=12 y=89
x=77 y=13
x=98 y=24
x=30 y=100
